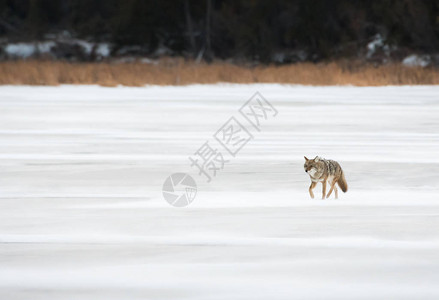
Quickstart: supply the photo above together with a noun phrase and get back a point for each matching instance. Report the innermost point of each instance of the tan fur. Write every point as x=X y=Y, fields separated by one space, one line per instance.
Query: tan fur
x=325 y=171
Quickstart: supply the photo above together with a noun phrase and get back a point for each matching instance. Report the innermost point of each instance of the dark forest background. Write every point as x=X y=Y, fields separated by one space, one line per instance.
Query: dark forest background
x=281 y=31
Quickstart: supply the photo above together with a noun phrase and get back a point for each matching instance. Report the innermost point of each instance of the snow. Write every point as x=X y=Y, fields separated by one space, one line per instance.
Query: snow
x=45 y=47
x=416 y=60
x=25 y=50
x=82 y=215
x=378 y=42
x=20 y=50
x=86 y=46
x=103 y=50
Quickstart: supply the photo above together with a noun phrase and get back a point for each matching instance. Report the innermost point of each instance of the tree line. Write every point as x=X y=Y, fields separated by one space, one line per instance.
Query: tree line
x=252 y=30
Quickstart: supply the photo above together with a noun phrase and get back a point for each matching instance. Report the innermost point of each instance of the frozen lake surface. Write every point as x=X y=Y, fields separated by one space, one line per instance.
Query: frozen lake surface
x=82 y=215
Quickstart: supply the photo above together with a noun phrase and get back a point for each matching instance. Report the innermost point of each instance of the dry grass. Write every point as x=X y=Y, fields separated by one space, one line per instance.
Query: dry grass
x=180 y=72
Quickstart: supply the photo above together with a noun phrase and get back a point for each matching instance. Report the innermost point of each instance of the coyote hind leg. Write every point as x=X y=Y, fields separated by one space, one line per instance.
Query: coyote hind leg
x=332 y=187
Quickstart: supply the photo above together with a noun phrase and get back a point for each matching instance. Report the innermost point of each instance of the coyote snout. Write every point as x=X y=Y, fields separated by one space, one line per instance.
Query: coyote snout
x=325 y=170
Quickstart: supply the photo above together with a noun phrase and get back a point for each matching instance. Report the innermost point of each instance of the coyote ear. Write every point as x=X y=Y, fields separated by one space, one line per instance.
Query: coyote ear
x=316 y=159
x=306 y=158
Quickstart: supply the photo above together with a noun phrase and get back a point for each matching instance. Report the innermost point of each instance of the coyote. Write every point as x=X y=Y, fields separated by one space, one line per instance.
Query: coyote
x=325 y=170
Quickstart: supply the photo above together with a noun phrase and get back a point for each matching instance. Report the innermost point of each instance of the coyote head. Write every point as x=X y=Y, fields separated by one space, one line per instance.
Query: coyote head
x=312 y=166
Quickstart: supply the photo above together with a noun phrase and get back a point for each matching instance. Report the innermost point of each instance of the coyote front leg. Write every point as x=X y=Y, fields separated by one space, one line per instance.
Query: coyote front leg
x=313 y=185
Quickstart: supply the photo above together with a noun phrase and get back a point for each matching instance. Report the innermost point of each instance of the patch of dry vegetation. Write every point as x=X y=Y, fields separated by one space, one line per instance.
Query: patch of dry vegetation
x=181 y=72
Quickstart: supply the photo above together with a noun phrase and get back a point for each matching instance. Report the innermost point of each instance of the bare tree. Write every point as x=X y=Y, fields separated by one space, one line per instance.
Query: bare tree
x=208 y=53
x=190 y=31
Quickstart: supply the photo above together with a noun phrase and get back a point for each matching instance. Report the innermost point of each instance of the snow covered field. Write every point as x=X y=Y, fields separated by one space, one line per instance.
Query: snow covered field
x=82 y=215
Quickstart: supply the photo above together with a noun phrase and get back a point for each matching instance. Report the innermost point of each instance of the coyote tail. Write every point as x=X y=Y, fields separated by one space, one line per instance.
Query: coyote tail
x=342 y=183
